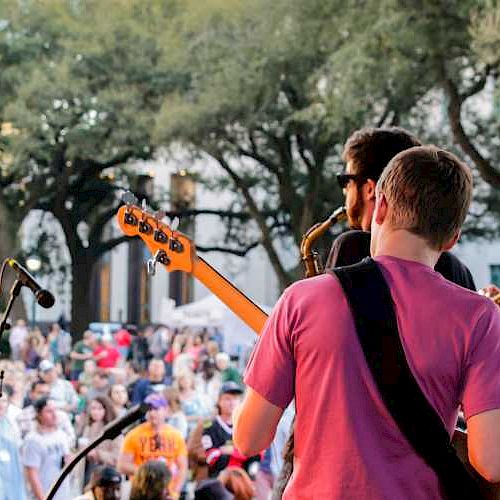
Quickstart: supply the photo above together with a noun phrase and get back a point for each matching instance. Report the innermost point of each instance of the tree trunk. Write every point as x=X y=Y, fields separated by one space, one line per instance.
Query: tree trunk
x=81 y=313
x=8 y=248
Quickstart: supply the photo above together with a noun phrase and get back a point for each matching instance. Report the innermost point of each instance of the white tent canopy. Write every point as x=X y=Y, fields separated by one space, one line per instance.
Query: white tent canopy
x=211 y=312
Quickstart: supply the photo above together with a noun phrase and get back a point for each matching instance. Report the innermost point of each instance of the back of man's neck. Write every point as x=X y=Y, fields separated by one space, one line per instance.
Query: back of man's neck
x=404 y=245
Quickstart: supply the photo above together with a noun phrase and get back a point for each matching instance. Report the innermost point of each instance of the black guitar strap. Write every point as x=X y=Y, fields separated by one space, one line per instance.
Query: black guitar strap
x=372 y=308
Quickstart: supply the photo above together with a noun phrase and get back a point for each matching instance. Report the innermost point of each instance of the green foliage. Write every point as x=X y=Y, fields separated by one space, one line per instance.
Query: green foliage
x=274 y=90
x=82 y=83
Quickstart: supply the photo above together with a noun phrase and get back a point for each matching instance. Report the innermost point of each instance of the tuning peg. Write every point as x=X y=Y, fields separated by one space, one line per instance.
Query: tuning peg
x=151 y=266
x=175 y=224
x=147 y=209
x=159 y=215
x=129 y=198
x=161 y=257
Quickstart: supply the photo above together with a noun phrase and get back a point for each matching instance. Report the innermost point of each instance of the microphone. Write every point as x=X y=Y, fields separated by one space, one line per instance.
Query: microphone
x=113 y=429
x=43 y=297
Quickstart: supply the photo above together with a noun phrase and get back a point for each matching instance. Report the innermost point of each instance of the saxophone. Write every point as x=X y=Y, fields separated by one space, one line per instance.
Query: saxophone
x=310 y=257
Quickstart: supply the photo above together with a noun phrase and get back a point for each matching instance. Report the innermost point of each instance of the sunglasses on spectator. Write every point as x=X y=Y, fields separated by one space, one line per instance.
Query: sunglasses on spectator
x=343 y=179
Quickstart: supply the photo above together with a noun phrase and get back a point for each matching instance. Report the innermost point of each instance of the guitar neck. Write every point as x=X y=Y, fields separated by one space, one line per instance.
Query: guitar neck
x=237 y=301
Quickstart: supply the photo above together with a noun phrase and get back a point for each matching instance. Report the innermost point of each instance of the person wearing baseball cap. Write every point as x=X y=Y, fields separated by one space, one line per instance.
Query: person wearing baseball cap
x=61 y=390
x=230 y=388
x=105 y=484
x=155 y=440
x=217 y=449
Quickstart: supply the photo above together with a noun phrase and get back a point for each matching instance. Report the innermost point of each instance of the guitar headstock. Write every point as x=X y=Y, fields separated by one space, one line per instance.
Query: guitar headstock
x=169 y=247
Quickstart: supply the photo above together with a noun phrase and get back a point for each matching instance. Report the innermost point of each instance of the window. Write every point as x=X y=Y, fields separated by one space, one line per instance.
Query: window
x=495 y=274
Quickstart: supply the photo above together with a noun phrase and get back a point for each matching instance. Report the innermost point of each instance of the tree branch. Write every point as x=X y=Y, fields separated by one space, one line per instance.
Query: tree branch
x=239 y=252
x=486 y=169
x=253 y=154
x=97 y=228
x=477 y=86
x=106 y=246
x=283 y=276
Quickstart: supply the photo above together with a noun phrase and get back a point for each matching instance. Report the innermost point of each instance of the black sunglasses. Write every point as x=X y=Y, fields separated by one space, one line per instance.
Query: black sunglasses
x=343 y=179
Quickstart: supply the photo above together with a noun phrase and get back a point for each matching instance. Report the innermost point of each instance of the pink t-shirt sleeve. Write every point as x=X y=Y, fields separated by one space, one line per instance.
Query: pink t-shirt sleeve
x=482 y=375
x=271 y=368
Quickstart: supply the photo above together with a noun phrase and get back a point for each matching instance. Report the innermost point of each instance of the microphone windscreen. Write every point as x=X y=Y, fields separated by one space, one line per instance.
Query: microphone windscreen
x=45 y=298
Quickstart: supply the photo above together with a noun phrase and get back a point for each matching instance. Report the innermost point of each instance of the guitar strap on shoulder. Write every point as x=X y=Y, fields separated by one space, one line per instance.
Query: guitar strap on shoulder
x=371 y=304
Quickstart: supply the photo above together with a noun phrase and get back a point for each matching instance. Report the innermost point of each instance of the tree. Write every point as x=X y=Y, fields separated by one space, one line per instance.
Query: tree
x=275 y=90
x=441 y=45
x=84 y=86
x=257 y=105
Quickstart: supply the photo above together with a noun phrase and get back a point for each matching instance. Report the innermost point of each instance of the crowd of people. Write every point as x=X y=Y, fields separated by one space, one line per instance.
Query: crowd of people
x=59 y=395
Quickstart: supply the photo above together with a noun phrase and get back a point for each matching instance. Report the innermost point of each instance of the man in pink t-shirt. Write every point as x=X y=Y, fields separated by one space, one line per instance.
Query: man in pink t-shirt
x=346 y=443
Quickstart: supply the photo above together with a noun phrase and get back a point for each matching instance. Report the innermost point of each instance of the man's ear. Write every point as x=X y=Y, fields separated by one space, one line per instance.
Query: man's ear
x=369 y=190
x=448 y=245
x=381 y=208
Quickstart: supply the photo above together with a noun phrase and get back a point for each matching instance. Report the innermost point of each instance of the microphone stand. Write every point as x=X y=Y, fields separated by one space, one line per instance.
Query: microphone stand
x=14 y=292
x=111 y=431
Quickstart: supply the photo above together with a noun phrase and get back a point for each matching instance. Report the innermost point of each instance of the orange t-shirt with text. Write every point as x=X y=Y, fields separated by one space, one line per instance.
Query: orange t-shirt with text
x=145 y=444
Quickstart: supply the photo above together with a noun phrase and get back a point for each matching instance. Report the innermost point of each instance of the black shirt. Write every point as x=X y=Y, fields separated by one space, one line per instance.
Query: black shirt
x=353 y=246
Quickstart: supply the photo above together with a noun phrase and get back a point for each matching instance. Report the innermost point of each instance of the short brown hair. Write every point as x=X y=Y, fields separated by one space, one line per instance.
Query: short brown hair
x=428 y=191
x=371 y=149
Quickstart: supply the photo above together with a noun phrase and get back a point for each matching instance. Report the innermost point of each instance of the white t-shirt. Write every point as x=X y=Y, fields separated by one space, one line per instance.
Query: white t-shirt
x=46 y=452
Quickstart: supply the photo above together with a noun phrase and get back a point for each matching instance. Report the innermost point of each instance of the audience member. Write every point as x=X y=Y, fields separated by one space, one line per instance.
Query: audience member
x=208 y=382
x=154 y=382
x=155 y=440
x=119 y=398
x=44 y=451
x=17 y=336
x=8 y=425
x=106 y=354
x=89 y=369
x=104 y=484
x=59 y=341
x=151 y=482
x=159 y=342
x=228 y=373
x=82 y=351
x=215 y=447
x=34 y=350
x=123 y=340
x=176 y=417
x=193 y=404
x=100 y=384
x=27 y=420
x=61 y=391
x=100 y=412
x=11 y=471
x=139 y=350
